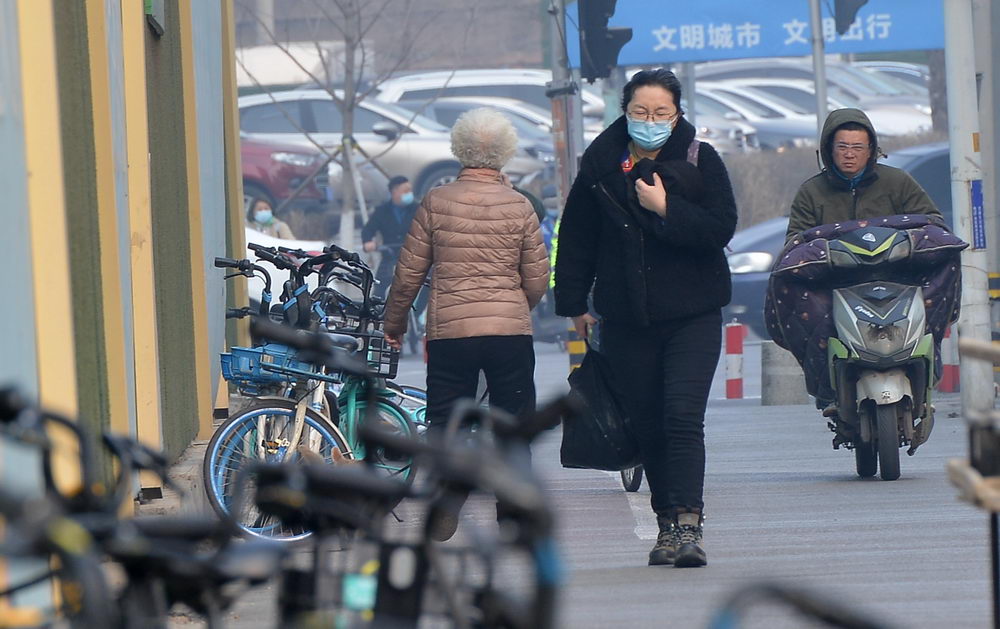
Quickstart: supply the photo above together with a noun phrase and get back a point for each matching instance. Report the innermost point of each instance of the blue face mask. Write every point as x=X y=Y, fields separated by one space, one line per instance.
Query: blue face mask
x=264 y=217
x=406 y=198
x=649 y=135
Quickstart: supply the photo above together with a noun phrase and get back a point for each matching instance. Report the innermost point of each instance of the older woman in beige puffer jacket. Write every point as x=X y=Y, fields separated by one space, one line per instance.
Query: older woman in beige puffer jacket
x=490 y=269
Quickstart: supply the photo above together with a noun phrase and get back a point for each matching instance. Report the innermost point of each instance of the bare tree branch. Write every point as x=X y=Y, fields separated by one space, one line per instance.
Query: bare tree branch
x=377 y=15
x=329 y=18
x=285 y=49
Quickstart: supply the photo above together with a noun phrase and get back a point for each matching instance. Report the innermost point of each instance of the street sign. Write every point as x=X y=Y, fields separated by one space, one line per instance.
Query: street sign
x=677 y=31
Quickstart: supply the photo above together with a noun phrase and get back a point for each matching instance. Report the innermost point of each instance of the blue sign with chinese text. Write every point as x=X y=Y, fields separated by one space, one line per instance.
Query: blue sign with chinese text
x=676 y=31
x=978 y=215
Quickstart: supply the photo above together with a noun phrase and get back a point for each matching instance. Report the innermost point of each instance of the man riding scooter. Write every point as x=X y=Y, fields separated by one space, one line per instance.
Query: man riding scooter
x=867 y=271
x=851 y=186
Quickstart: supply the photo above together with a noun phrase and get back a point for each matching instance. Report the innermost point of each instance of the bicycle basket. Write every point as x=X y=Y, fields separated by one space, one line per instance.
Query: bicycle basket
x=382 y=359
x=252 y=368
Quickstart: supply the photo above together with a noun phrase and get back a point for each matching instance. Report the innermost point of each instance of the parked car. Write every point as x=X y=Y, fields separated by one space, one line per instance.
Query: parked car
x=535 y=140
x=400 y=141
x=754 y=249
x=862 y=86
x=775 y=130
x=273 y=170
x=915 y=73
x=799 y=95
x=528 y=85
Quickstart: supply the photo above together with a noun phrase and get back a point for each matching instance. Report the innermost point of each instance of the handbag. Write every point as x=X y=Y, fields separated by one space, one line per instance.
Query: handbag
x=600 y=436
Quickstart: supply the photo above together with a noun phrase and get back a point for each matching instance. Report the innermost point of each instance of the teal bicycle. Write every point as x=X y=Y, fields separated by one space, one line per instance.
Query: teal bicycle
x=301 y=413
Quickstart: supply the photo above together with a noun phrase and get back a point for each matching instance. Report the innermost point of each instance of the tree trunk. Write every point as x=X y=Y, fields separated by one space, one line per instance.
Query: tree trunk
x=352 y=25
x=938 y=91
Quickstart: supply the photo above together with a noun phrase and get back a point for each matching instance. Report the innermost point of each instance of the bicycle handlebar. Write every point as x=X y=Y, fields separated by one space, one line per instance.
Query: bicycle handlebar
x=226 y=263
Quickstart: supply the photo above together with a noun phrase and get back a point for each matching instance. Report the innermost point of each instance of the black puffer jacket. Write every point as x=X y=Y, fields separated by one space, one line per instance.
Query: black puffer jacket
x=647 y=269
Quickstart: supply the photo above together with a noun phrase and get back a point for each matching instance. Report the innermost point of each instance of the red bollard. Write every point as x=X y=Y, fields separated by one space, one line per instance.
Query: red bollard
x=949 y=382
x=735 y=333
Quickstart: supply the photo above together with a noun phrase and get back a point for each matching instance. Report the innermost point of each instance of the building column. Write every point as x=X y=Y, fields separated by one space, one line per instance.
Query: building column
x=149 y=428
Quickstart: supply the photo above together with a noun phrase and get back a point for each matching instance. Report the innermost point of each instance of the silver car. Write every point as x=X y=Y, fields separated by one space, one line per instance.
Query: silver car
x=399 y=141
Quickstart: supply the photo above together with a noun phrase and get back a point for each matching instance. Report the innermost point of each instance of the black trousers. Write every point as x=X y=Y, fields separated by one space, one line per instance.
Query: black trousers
x=453 y=367
x=667 y=370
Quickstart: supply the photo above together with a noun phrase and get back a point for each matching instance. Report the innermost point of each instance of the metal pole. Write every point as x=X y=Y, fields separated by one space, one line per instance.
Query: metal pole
x=995 y=551
x=687 y=76
x=966 y=186
x=561 y=91
x=819 y=64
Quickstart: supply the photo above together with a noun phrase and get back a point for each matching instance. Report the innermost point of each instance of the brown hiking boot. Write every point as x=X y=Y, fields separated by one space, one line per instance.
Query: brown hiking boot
x=688 y=539
x=666 y=542
x=830 y=410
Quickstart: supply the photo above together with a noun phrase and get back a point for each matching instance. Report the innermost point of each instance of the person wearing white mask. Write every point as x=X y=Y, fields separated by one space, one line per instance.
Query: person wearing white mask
x=645 y=226
x=260 y=217
x=392 y=221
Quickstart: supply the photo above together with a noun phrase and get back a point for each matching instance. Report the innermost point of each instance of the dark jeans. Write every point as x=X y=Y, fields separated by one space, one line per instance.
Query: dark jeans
x=667 y=371
x=453 y=367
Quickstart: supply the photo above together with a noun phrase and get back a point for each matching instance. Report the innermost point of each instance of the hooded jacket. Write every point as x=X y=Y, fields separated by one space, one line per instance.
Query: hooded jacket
x=490 y=265
x=882 y=190
x=644 y=268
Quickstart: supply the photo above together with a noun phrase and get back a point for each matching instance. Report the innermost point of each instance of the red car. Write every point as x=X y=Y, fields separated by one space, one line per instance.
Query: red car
x=273 y=171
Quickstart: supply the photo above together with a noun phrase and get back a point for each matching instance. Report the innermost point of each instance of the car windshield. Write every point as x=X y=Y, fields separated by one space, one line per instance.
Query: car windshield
x=706 y=105
x=755 y=108
x=417 y=119
x=801 y=100
x=447 y=112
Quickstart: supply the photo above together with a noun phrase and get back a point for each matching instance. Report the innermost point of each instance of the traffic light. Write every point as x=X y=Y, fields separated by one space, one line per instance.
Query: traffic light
x=844 y=12
x=599 y=45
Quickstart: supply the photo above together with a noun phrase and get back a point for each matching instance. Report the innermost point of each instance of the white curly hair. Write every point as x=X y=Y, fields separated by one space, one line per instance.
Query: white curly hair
x=483 y=138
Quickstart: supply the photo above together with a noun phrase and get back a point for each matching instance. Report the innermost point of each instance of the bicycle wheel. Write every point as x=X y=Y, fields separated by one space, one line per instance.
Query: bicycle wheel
x=392 y=418
x=411 y=399
x=260 y=434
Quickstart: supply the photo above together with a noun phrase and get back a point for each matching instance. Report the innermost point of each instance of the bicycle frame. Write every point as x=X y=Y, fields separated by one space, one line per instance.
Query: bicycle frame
x=317 y=401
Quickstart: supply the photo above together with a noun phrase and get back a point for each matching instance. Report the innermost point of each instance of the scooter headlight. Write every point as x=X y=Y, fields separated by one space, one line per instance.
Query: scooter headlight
x=884 y=340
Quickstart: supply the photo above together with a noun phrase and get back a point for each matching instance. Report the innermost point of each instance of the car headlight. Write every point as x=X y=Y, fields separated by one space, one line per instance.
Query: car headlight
x=708 y=132
x=750 y=262
x=294 y=159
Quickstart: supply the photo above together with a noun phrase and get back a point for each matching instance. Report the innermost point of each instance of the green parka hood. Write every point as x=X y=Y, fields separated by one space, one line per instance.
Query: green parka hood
x=837 y=119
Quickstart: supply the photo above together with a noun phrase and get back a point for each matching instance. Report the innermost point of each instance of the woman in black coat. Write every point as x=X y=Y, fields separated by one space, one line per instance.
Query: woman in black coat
x=645 y=226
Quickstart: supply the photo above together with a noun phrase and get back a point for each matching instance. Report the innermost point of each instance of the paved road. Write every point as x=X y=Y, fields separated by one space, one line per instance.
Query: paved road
x=781 y=504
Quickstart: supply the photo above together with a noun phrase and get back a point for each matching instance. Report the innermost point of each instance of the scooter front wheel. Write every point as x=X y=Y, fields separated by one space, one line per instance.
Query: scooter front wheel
x=865 y=459
x=888 y=441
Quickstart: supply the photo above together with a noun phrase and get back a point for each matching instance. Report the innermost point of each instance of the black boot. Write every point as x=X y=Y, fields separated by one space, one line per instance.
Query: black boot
x=688 y=539
x=666 y=542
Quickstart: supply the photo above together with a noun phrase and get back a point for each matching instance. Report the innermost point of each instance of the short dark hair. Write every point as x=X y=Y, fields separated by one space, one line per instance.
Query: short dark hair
x=398 y=180
x=659 y=77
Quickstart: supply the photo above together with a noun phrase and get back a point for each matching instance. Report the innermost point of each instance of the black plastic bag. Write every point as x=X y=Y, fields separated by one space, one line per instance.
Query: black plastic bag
x=599 y=437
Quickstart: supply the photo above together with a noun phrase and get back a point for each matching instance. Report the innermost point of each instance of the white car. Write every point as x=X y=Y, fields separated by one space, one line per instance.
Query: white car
x=399 y=141
x=776 y=129
x=800 y=95
x=521 y=84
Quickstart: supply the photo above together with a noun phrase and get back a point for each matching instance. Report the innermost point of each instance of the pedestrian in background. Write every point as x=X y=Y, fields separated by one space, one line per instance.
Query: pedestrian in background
x=260 y=217
x=391 y=220
x=645 y=224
